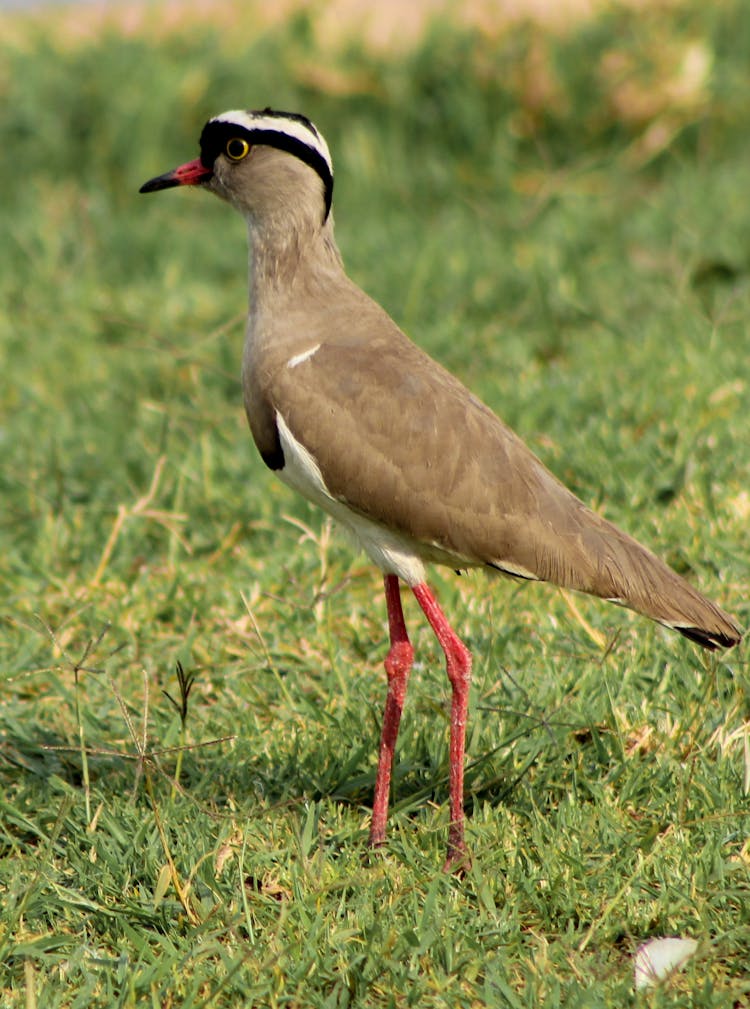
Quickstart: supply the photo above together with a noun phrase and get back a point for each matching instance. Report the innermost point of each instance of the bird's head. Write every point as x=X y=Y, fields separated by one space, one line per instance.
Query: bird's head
x=264 y=163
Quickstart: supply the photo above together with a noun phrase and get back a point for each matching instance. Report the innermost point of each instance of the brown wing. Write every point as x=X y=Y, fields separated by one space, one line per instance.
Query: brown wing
x=402 y=441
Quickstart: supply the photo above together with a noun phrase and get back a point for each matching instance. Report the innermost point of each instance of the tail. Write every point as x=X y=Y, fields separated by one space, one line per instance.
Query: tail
x=632 y=576
x=579 y=549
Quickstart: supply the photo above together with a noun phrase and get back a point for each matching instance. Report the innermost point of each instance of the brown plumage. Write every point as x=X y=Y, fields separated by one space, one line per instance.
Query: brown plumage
x=484 y=498
x=347 y=410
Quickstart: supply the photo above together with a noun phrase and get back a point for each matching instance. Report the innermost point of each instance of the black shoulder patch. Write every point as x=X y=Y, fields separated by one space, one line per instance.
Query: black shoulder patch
x=274 y=458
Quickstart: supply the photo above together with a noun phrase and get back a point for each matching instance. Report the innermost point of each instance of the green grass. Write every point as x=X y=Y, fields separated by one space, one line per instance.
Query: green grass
x=594 y=289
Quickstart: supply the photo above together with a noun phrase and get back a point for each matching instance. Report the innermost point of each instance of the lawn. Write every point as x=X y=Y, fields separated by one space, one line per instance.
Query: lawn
x=191 y=657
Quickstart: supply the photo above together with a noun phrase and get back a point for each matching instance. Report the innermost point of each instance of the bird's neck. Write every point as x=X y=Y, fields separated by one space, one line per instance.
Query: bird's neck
x=286 y=255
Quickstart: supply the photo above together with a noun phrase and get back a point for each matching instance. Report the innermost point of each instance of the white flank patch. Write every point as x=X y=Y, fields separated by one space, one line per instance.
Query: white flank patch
x=279 y=124
x=304 y=356
x=392 y=553
x=301 y=471
x=657 y=958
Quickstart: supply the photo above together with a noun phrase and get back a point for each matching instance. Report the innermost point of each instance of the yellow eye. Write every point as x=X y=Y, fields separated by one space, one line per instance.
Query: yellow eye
x=236 y=149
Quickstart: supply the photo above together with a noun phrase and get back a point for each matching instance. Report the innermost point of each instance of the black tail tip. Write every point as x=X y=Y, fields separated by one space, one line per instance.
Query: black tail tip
x=712 y=640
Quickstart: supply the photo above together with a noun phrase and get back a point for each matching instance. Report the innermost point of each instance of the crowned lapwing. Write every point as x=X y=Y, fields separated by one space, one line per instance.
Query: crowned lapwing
x=348 y=411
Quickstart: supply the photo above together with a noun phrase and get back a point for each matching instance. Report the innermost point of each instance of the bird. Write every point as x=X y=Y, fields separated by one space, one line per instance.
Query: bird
x=345 y=409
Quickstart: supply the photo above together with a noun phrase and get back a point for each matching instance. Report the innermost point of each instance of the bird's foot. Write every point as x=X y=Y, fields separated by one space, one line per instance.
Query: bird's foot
x=375 y=843
x=458 y=860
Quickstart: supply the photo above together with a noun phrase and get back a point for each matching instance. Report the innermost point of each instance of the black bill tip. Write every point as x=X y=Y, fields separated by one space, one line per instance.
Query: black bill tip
x=166 y=181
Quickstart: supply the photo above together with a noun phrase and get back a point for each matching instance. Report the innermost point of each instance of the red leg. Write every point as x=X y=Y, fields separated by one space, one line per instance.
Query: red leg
x=397 y=666
x=458 y=665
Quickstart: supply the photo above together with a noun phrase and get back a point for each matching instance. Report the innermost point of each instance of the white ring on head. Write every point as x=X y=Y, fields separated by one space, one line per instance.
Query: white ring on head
x=295 y=128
